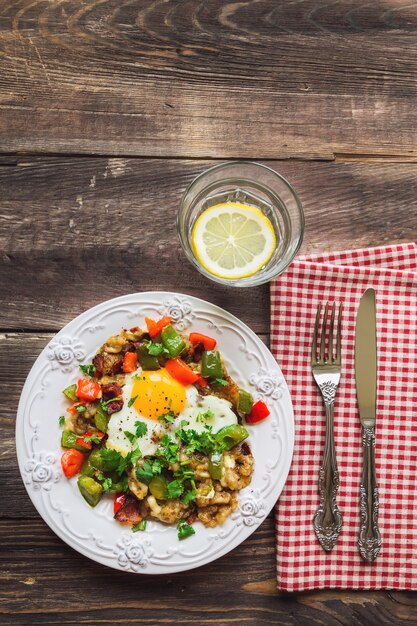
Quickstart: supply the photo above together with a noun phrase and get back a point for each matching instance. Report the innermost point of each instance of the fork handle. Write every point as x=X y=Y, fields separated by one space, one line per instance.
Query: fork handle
x=369 y=536
x=327 y=521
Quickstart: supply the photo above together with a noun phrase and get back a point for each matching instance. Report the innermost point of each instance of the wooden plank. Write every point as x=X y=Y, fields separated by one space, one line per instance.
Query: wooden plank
x=63 y=587
x=256 y=80
x=77 y=231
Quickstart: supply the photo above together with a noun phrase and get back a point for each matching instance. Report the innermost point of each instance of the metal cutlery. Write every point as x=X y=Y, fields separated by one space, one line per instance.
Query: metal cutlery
x=326 y=370
x=366 y=389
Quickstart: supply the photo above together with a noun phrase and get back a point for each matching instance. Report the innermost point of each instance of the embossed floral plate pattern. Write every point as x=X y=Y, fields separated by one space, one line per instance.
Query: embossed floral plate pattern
x=93 y=532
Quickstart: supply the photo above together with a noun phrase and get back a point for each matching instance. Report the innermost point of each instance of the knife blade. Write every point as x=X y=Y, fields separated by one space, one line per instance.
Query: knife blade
x=366 y=390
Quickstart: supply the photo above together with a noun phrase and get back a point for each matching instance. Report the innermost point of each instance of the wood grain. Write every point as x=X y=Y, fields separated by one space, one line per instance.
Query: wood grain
x=257 y=79
x=64 y=587
x=77 y=231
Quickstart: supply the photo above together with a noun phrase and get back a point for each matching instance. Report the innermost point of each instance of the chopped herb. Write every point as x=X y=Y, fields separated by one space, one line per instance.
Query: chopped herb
x=141 y=429
x=184 y=529
x=107 y=484
x=132 y=457
x=202 y=417
x=104 y=404
x=94 y=437
x=131 y=401
x=155 y=349
x=90 y=369
x=174 y=489
x=168 y=450
x=148 y=470
x=80 y=408
x=221 y=381
x=140 y=526
x=61 y=420
x=167 y=417
x=132 y=438
x=112 y=458
x=189 y=496
x=136 y=377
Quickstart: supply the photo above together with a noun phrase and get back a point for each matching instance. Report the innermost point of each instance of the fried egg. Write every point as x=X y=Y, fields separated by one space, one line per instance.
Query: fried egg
x=150 y=394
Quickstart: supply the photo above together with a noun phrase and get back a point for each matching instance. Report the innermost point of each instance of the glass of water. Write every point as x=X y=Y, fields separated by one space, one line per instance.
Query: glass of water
x=240 y=223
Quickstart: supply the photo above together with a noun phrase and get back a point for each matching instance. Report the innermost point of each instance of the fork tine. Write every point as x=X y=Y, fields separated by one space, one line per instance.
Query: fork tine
x=331 y=330
x=339 y=337
x=323 y=334
x=316 y=330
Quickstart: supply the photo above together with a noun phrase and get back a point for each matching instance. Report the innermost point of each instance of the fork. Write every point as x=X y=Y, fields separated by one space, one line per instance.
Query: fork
x=326 y=370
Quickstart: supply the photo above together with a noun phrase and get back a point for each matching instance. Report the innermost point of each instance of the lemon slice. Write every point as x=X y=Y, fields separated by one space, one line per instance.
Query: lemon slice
x=233 y=240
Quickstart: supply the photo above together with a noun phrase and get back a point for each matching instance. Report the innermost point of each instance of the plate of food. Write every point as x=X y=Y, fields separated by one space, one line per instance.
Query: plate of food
x=154 y=433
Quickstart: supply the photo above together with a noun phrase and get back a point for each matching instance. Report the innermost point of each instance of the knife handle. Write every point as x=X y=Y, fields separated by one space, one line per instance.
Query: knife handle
x=369 y=536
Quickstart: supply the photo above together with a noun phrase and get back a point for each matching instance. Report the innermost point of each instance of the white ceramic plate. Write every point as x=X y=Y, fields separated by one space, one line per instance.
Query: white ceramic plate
x=93 y=532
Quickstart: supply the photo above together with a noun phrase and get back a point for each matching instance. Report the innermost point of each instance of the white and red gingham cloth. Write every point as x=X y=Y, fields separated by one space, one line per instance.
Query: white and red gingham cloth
x=343 y=277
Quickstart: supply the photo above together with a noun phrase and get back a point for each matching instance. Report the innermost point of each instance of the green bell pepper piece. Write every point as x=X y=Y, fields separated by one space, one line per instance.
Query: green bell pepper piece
x=87 y=469
x=101 y=419
x=211 y=364
x=245 y=402
x=90 y=490
x=231 y=436
x=68 y=440
x=146 y=360
x=97 y=461
x=172 y=341
x=69 y=392
x=158 y=487
x=215 y=465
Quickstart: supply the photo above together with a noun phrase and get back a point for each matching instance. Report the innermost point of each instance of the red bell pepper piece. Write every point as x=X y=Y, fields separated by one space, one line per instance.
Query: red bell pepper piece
x=130 y=362
x=71 y=462
x=154 y=328
x=88 y=444
x=201 y=382
x=181 y=372
x=88 y=390
x=258 y=413
x=208 y=342
x=118 y=502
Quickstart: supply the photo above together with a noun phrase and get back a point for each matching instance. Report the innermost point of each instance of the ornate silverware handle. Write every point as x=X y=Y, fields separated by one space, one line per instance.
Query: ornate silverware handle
x=369 y=536
x=327 y=521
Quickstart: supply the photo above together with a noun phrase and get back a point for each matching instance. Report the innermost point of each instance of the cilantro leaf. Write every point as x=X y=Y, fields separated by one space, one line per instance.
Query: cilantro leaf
x=94 y=437
x=189 y=496
x=89 y=369
x=167 y=417
x=174 y=489
x=132 y=438
x=61 y=420
x=112 y=458
x=155 y=349
x=140 y=526
x=141 y=429
x=131 y=401
x=221 y=381
x=184 y=529
x=107 y=484
x=148 y=470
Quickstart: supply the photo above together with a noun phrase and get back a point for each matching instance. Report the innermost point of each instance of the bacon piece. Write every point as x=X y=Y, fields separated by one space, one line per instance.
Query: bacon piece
x=114 y=407
x=99 y=363
x=129 y=513
x=245 y=448
x=111 y=390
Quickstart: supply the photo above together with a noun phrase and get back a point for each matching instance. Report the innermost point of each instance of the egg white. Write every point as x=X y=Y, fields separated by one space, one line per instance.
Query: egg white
x=193 y=414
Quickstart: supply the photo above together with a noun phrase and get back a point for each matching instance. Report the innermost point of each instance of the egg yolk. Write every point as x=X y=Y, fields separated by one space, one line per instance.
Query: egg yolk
x=157 y=393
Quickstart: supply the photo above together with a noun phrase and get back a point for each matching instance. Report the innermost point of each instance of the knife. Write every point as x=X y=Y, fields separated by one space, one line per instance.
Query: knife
x=366 y=389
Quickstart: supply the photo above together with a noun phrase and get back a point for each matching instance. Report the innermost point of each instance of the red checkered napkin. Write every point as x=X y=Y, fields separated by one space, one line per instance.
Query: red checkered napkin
x=343 y=277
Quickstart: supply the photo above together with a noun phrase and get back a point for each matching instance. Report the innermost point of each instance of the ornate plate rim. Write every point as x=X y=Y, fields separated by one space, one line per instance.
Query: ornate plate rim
x=134 y=555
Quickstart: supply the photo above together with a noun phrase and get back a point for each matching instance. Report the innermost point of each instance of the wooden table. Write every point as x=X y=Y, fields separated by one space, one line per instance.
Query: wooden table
x=108 y=109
